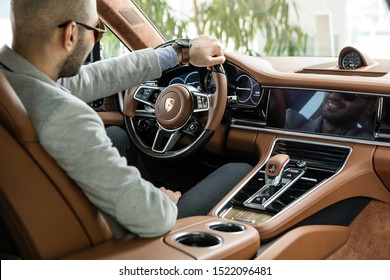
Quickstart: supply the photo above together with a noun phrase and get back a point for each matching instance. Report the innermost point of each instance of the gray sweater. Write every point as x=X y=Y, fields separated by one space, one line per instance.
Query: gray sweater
x=74 y=135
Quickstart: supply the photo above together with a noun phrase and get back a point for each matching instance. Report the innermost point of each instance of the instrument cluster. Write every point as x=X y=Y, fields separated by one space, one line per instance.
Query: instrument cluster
x=242 y=87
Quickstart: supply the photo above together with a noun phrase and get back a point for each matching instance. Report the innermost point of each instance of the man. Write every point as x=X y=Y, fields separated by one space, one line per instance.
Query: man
x=51 y=39
x=341 y=114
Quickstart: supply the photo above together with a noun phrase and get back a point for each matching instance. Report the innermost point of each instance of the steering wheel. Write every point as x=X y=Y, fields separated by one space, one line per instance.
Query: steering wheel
x=175 y=121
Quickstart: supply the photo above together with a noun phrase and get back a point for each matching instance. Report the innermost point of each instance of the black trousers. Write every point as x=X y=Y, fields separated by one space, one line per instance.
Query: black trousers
x=201 y=198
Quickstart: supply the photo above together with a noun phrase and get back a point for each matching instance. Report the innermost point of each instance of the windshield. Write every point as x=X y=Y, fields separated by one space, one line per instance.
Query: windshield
x=278 y=27
x=267 y=27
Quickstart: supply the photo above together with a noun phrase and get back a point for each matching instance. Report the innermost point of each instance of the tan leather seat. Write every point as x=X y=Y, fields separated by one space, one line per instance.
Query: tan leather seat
x=44 y=211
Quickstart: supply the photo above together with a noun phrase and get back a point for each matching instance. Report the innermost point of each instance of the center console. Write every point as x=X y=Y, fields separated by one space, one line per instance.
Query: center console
x=193 y=238
x=293 y=169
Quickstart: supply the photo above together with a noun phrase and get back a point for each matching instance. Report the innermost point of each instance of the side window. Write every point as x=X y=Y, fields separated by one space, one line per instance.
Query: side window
x=111 y=46
x=5 y=23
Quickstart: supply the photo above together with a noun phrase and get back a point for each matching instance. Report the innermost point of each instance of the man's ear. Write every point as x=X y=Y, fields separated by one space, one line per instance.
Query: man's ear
x=69 y=36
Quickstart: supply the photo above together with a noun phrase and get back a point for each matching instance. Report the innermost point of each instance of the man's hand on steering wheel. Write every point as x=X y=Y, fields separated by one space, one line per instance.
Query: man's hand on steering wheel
x=206 y=52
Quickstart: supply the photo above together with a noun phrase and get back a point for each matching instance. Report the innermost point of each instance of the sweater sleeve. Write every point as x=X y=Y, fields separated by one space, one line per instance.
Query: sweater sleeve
x=75 y=136
x=107 y=77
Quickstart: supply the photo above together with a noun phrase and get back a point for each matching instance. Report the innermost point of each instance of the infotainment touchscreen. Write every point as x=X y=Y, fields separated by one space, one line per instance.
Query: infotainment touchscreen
x=323 y=112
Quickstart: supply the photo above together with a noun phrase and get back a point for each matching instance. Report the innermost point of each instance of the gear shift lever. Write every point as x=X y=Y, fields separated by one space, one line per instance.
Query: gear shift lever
x=278 y=179
x=274 y=169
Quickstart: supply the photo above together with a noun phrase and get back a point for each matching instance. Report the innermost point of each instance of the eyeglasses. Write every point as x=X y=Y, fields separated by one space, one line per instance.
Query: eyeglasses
x=98 y=30
x=352 y=96
x=349 y=96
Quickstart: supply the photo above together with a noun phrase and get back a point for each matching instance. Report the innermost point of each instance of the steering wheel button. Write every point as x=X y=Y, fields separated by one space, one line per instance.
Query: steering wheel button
x=139 y=93
x=156 y=92
x=192 y=127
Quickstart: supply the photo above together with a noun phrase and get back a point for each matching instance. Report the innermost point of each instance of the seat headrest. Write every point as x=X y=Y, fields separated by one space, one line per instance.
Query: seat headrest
x=13 y=115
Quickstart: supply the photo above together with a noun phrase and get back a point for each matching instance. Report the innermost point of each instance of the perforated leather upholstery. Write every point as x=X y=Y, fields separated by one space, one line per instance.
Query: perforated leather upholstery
x=45 y=212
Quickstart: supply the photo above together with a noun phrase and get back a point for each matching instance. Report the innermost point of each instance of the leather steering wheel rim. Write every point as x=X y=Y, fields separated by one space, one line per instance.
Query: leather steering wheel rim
x=174 y=109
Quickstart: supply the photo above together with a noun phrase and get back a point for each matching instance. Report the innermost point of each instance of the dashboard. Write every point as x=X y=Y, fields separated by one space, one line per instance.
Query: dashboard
x=291 y=109
x=287 y=95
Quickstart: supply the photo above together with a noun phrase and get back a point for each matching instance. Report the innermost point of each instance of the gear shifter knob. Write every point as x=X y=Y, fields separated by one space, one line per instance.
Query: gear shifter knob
x=274 y=169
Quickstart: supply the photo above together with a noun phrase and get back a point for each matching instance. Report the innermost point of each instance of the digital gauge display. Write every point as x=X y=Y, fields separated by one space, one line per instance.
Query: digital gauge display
x=191 y=79
x=247 y=90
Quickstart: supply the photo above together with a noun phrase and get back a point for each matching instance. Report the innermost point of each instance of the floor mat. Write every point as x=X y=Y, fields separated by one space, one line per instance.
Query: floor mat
x=370 y=235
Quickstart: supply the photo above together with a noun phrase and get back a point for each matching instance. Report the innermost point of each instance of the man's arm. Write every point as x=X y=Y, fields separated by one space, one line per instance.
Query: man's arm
x=75 y=136
x=107 y=77
x=110 y=76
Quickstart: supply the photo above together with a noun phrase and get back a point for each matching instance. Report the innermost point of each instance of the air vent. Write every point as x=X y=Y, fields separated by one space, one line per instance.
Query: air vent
x=317 y=156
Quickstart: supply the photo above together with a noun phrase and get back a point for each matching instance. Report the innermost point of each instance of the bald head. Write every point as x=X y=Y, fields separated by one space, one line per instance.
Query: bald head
x=36 y=21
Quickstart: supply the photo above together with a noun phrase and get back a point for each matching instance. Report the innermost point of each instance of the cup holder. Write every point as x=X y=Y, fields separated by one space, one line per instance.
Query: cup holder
x=198 y=239
x=227 y=227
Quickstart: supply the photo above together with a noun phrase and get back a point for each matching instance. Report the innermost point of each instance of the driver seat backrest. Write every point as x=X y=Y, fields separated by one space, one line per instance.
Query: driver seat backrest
x=45 y=212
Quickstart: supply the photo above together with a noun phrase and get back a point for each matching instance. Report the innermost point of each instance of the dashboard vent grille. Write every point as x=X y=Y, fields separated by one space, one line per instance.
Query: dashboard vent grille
x=318 y=156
